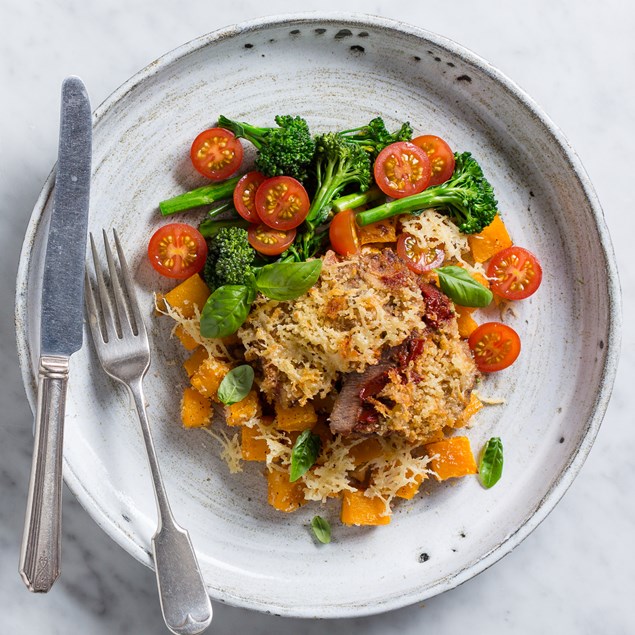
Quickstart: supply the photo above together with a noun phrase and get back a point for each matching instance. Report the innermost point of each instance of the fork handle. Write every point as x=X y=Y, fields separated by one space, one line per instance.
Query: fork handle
x=186 y=607
x=41 y=543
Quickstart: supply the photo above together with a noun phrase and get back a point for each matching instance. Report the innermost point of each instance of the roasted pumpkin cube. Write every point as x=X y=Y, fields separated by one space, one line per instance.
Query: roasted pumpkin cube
x=408 y=491
x=365 y=451
x=453 y=458
x=191 y=293
x=196 y=410
x=208 y=377
x=282 y=494
x=490 y=241
x=239 y=413
x=473 y=406
x=194 y=361
x=383 y=231
x=466 y=323
x=295 y=418
x=252 y=447
x=187 y=341
x=359 y=509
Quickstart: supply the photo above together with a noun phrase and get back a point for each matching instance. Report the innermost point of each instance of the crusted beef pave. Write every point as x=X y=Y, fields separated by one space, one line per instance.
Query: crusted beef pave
x=369 y=402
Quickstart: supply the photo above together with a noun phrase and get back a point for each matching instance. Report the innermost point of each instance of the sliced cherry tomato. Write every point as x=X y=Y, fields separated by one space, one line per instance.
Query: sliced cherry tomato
x=343 y=233
x=402 y=169
x=440 y=155
x=514 y=273
x=495 y=346
x=216 y=153
x=245 y=195
x=269 y=241
x=419 y=259
x=282 y=202
x=177 y=250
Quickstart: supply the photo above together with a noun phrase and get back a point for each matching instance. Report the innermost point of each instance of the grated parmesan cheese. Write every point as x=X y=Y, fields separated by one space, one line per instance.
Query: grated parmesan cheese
x=437 y=231
x=231 y=451
x=490 y=401
x=394 y=469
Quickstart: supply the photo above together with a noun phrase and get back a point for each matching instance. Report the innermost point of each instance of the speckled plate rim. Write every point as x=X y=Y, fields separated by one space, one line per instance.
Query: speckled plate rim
x=537 y=513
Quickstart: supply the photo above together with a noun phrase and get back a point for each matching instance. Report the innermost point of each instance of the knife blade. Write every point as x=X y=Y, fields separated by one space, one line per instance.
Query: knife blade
x=61 y=334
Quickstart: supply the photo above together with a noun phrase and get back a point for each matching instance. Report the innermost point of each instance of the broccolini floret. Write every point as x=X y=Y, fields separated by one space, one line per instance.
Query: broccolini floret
x=467 y=197
x=285 y=150
x=229 y=258
x=374 y=137
x=336 y=164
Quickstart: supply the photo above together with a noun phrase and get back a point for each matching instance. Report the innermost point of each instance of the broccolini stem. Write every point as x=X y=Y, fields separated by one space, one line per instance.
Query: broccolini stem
x=432 y=197
x=220 y=208
x=322 y=198
x=209 y=228
x=201 y=196
x=242 y=129
x=357 y=199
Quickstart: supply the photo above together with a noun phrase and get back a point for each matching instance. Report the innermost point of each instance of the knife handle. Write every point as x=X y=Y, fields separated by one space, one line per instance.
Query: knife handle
x=41 y=543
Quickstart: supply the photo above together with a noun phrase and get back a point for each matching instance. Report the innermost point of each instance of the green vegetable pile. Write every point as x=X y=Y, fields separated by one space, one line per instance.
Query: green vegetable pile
x=337 y=170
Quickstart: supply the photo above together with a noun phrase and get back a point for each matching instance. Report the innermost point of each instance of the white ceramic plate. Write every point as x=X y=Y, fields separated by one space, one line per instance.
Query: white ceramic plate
x=339 y=71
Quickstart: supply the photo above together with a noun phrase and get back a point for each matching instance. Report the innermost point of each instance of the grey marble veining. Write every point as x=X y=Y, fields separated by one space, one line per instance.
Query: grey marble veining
x=574 y=574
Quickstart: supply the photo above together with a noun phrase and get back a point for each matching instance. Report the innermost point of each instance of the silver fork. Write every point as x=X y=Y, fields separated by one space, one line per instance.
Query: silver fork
x=122 y=345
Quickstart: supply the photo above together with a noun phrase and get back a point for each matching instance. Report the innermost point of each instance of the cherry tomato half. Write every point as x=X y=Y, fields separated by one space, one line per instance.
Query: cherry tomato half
x=216 y=153
x=514 y=273
x=269 y=241
x=440 y=155
x=282 y=202
x=343 y=233
x=495 y=346
x=402 y=169
x=177 y=250
x=419 y=259
x=245 y=195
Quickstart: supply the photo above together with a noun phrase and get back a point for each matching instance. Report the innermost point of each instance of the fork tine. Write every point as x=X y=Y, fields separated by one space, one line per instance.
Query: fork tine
x=137 y=321
x=118 y=296
x=91 y=308
x=107 y=321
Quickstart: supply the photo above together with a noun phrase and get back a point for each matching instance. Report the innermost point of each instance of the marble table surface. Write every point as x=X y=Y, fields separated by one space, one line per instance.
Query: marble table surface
x=575 y=573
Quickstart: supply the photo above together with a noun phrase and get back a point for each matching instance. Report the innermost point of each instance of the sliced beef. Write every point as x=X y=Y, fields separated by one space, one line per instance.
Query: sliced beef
x=352 y=412
x=349 y=404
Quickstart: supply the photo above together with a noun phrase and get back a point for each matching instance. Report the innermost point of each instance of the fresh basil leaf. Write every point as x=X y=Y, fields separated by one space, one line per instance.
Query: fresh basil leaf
x=321 y=529
x=226 y=309
x=491 y=468
x=304 y=453
x=287 y=280
x=236 y=384
x=461 y=288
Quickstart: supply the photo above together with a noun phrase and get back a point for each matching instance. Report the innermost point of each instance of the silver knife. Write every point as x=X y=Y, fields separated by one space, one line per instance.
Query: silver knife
x=61 y=335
